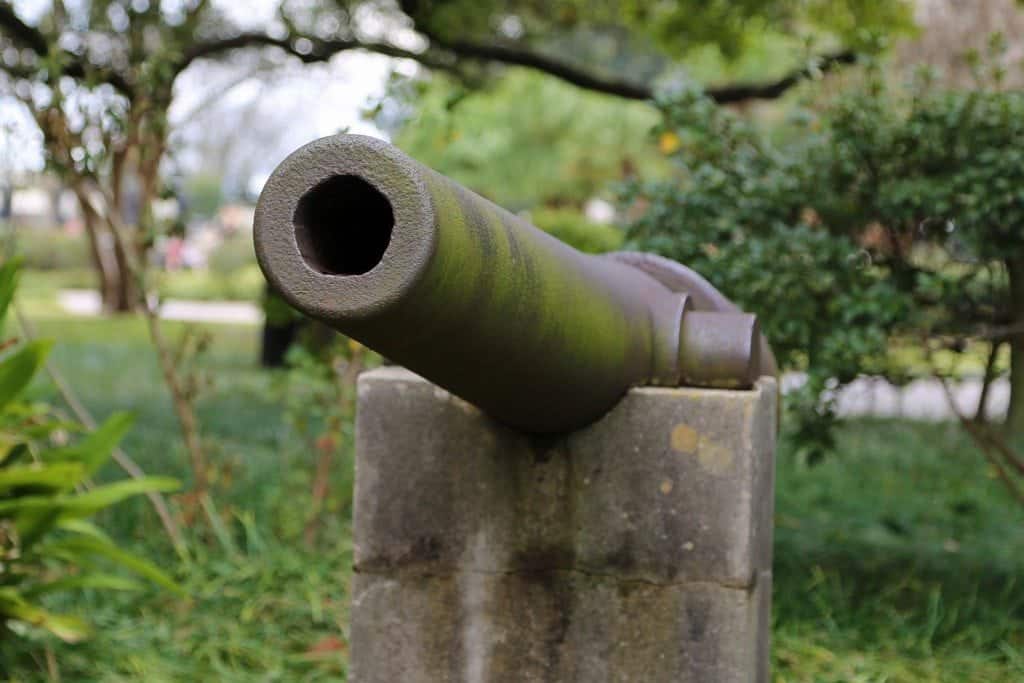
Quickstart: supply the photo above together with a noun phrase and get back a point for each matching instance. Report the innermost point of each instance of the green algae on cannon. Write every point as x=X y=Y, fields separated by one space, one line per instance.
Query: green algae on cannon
x=541 y=337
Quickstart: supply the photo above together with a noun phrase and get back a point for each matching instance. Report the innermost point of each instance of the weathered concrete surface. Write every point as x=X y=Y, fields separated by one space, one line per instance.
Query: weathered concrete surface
x=636 y=549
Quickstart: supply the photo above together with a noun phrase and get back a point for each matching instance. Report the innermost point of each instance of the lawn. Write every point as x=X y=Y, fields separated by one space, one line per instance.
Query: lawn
x=900 y=559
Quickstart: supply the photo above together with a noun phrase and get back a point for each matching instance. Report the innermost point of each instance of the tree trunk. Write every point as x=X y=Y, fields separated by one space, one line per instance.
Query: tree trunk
x=112 y=277
x=981 y=413
x=1015 y=414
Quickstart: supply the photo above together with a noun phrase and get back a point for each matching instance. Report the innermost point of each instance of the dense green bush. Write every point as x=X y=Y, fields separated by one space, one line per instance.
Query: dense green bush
x=894 y=213
x=932 y=182
x=573 y=228
x=47 y=496
x=738 y=211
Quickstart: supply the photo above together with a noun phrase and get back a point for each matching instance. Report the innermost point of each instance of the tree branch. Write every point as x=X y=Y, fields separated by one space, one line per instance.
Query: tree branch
x=570 y=74
x=26 y=36
x=770 y=90
x=320 y=50
x=582 y=78
x=20 y=32
x=315 y=49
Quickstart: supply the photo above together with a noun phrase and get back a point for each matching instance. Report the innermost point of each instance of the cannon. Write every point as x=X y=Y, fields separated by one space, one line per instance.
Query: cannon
x=539 y=336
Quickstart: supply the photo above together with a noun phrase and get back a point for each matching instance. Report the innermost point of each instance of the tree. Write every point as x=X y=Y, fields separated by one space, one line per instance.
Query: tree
x=108 y=70
x=894 y=215
x=536 y=35
x=940 y=171
x=739 y=209
x=99 y=78
x=525 y=140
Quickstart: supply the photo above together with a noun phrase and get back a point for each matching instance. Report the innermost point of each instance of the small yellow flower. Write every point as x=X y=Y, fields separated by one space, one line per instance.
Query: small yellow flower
x=669 y=142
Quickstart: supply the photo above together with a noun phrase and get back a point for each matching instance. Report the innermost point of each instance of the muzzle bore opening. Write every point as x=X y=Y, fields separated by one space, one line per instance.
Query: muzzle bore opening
x=343 y=226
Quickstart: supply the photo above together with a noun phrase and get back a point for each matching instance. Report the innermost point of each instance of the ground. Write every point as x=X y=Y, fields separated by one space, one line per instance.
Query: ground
x=899 y=559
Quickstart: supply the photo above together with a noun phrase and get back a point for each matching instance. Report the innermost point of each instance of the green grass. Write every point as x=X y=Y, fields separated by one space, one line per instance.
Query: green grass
x=898 y=560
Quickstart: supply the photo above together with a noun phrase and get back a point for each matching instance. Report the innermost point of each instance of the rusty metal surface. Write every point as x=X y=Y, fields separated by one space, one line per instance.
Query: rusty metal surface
x=436 y=278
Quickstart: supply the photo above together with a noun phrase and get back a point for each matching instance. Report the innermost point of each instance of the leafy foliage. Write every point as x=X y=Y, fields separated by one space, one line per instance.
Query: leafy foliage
x=931 y=180
x=527 y=140
x=738 y=211
x=894 y=213
x=47 y=496
x=678 y=26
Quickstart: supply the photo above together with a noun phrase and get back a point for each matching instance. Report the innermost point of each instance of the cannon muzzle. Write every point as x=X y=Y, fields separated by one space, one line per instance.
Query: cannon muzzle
x=546 y=339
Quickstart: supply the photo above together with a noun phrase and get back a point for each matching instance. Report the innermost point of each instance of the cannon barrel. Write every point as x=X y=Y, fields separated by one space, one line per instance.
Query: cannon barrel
x=353 y=232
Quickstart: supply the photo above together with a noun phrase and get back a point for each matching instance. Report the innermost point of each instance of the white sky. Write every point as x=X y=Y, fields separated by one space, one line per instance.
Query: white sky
x=320 y=100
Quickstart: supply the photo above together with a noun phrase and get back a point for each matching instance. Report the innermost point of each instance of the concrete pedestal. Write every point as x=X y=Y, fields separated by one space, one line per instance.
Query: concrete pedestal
x=637 y=549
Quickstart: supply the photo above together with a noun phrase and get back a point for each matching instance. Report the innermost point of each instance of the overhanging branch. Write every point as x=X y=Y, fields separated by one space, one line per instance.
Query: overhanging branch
x=444 y=55
x=448 y=54
x=20 y=32
x=308 y=49
x=25 y=36
x=725 y=94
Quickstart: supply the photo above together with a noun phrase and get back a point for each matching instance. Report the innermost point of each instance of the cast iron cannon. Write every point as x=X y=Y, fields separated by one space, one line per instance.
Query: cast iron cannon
x=356 y=234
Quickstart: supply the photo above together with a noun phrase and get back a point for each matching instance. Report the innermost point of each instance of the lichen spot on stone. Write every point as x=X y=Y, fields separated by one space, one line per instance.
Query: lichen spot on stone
x=684 y=439
x=713 y=457
x=666 y=487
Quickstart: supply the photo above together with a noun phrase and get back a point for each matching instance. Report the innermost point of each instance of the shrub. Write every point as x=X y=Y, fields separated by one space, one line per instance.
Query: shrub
x=896 y=214
x=47 y=542
x=740 y=210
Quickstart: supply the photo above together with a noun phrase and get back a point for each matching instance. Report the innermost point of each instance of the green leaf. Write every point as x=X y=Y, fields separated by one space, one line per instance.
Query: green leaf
x=8 y=285
x=56 y=477
x=67 y=628
x=102 y=548
x=9 y=441
x=95 y=580
x=33 y=520
x=110 y=494
x=80 y=526
x=19 y=367
x=94 y=449
x=85 y=504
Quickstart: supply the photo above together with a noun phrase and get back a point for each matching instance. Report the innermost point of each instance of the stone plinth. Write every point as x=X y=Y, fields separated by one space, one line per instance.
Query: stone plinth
x=637 y=549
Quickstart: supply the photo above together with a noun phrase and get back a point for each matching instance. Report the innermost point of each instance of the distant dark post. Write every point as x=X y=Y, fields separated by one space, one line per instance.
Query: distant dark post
x=577 y=483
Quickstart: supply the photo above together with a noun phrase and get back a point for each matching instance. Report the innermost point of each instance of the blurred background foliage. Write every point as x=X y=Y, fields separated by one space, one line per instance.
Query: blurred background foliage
x=526 y=140
x=848 y=169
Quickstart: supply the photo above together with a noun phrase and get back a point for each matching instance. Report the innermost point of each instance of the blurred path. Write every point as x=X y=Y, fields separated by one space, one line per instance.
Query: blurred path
x=87 y=302
x=922 y=399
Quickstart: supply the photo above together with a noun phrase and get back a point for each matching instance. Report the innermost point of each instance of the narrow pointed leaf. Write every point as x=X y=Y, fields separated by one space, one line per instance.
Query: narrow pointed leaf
x=94 y=449
x=56 y=477
x=95 y=580
x=94 y=546
x=19 y=367
x=8 y=285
